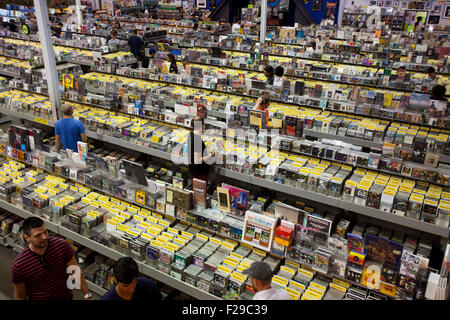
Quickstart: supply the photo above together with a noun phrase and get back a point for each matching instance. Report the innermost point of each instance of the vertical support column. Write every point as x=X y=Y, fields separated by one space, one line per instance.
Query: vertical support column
x=263 y=23
x=79 y=15
x=45 y=37
x=342 y=5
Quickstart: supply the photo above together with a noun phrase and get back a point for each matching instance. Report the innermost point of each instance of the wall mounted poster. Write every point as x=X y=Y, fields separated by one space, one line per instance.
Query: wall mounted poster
x=258 y=230
x=330 y=12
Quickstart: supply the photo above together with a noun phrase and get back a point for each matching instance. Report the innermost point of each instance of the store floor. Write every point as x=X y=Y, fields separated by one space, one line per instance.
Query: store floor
x=7 y=256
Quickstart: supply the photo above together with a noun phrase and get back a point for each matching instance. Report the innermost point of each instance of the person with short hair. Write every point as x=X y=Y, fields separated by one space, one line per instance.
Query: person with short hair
x=198 y=160
x=40 y=271
x=269 y=73
x=69 y=130
x=432 y=76
x=278 y=75
x=135 y=45
x=12 y=25
x=438 y=93
x=129 y=286
x=113 y=41
x=261 y=275
x=279 y=71
x=173 y=63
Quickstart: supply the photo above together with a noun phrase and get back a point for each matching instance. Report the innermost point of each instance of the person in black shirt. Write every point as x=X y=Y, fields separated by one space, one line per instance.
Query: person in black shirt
x=269 y=73
x=173 y=63
x=438 y=93
x=129 y=286
x=198 y=166
x=57 y=30
x=12 y=25
x=135 y=45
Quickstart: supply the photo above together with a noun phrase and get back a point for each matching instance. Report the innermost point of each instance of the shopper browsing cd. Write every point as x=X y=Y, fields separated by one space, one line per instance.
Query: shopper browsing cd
x=278 y=79
x=129 y=286
x=261 y=275
x=113 y=41
x=135 y=45
x=432 y=76
x=269 y=73
x=40 y=271
x=198 y=158
x=263 y=104
x=173 y=63
x=68 y=130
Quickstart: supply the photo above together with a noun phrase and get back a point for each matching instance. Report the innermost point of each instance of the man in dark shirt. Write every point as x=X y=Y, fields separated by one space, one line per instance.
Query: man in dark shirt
x=40 y=271
x=198 y=161
x=135 y=45
x=129 y=286
x=12 y=25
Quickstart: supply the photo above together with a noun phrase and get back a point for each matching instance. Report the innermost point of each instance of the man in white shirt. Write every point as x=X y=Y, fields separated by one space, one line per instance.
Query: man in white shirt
x=260 y=275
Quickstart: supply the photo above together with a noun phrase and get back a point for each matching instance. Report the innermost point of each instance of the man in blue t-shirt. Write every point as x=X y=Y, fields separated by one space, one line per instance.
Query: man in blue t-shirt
x=68 y=130
x=129 y=286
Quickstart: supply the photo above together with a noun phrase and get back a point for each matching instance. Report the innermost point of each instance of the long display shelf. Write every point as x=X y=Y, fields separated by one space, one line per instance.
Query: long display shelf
x=219 y=114
x=17 y=210
x=274 y=100
x=321 y=80
x=110 y=253
x=108 y=193
x=355 y=141
x=335 y=202
x=308 y=59
x=8 y=73
x=313 y=196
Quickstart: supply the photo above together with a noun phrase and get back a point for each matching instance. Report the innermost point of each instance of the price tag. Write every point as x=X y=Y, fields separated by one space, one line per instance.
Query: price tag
x=224 y=269
x=40 y=120
x=164 y=223
x=216 y=241
x=183 y=238
x=187 y=234
x=238 y=276
x=123 y=227
x=295 y=295
x=173 y=231
x=280 y=281
x=147 y=236
x=237 y=256
x=297 y=285
x=202 y=237
x=84 y=190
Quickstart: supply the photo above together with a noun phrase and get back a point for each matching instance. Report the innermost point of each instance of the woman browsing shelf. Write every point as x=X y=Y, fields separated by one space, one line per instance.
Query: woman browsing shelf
x=173 y=63
x=198 y=160
x=269 y=73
